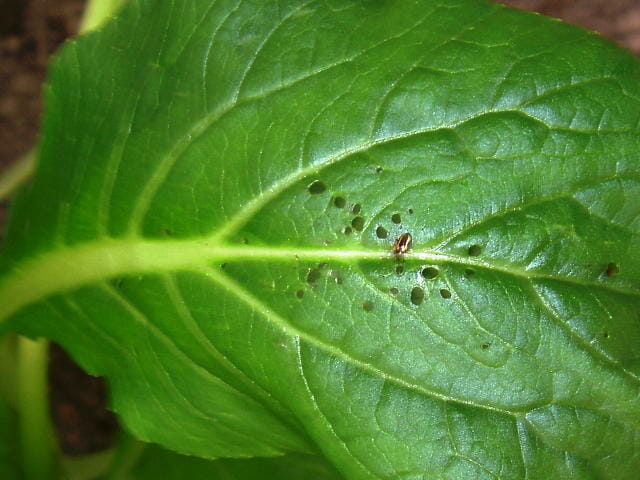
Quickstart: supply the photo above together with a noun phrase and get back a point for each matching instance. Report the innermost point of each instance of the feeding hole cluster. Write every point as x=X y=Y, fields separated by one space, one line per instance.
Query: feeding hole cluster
x=417 y=293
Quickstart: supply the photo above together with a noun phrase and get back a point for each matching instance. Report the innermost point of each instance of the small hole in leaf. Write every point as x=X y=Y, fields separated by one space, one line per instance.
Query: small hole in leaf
x=417 y=295
x=469 y=272
x=378 y=169
x=313 y=275
x=399 y=269
x=612 y=269
x=396 y=218
x=484 y=346
x=605 y=334
x=393 y=291
x=381 y=232
x=347 y=230
x=355 y=209
x=410 y=211
x=316 y=187
x=430 y=272
x=474 y=250
x=339 y=202
x=367 y=306
x=300 y=293
x=358 y=223
x=444 y=293
x=223 y=266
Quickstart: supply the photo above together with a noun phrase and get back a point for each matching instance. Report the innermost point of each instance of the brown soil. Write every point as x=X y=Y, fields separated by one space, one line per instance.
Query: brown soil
x=31 y=30
x=618 y=20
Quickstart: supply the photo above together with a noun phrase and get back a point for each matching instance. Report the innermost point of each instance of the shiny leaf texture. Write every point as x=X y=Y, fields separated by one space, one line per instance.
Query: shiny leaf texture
x=219 y=221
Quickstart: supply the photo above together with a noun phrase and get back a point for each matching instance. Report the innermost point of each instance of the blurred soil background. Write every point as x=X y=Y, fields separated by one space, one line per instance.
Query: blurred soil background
x=32 y=30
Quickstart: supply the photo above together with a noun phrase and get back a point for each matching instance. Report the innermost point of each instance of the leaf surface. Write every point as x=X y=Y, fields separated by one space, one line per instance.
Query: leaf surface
x=156 y=462
x=220 y=188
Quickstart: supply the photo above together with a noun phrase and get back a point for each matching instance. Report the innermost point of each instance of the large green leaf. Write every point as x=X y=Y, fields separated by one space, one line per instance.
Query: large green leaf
x=157 y=463
x=220 y=187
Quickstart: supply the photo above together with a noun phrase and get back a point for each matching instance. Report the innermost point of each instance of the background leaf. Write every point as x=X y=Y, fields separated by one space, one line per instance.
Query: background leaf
x=219 y=189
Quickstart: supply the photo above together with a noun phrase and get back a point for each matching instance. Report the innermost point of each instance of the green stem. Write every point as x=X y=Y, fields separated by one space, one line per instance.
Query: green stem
x=17 y=174
x=97 y=12
x=37 y=441
x=8 y=363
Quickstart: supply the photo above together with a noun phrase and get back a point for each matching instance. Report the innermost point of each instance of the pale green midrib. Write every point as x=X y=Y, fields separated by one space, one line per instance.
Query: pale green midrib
x=70 y=268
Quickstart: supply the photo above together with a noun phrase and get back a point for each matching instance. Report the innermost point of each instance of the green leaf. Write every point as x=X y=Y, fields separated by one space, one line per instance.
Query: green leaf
x=219 y=191
x=157 y=463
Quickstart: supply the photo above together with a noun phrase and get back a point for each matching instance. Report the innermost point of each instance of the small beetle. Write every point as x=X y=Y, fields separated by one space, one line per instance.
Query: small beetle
x=402 y=243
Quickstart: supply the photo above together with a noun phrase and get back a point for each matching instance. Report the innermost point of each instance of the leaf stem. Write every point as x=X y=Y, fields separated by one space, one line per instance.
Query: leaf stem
x=8 y=347
x=17 y=174
x=37 y=441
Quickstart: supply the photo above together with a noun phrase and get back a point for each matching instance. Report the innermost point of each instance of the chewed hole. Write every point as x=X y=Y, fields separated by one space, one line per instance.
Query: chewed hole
x=367 y=306
x=379 y=169
x=355 y=209
x=417 y=295
x=381 y=232
x=358 y=223
x=223 y=266
x=339 y=202
x=444 y=293
x=300 y=293
x=612 y=269
x=410 y=211
x=474 y=250
x=484 y=346
x=469 y=272
x=347 y=230
x=396 y=218
x=399 y=269
x=316 y=187
x=430 y=272
x=336 y=276
x=313 y=275
x=605 y=334
x=393 y=291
